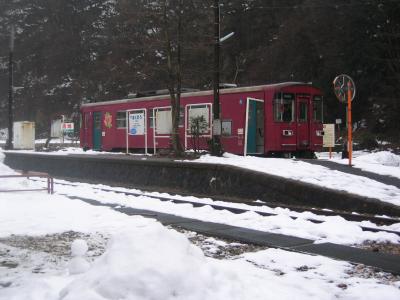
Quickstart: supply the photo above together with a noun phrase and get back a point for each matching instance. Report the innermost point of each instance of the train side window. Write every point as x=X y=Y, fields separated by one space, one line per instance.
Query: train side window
x=226 y=127
x=284 y=107
x=182 y=116
x=318 y=108
x=121 y=119
x=151 y=118
x=163 y=121
x=201 y=110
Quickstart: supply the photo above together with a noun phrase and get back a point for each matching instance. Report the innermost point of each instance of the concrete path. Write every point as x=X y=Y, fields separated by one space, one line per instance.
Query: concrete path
x=386 y=179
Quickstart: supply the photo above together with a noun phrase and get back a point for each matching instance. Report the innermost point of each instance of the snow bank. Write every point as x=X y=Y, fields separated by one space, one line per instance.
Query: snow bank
x=79 y=247
x=334 y=229
x=151 y=263
x=384 y=158
x=314 y=174
x=383 y=162
x=154 y=263
x=23 y=214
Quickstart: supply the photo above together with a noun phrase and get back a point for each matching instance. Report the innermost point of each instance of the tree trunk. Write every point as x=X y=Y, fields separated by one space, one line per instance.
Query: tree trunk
x=174 y=78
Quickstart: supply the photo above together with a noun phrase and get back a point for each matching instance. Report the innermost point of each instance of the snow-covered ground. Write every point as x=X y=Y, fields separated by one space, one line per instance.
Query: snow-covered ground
x=334 y=229
x=322 y=176
x=382 y=162
x=54 y=141
x=130 y=257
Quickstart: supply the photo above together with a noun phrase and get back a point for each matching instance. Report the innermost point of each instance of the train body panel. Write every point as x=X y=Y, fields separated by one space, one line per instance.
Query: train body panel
x=260 y=120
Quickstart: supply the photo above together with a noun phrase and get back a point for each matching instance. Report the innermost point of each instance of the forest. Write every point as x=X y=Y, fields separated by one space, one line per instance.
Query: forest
x=69 y=52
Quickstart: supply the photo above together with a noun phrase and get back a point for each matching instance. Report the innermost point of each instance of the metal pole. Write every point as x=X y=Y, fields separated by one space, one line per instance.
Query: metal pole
x=154 y=131
x=62 y=130
x=246 y=127
x=349 y=121
x=9 y=144
x=145 y=131
x=127 y=131
x=216 y=141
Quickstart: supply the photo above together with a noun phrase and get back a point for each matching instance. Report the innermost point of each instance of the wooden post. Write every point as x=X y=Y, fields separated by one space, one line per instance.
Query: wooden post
x=330 y=152
x=349 y=123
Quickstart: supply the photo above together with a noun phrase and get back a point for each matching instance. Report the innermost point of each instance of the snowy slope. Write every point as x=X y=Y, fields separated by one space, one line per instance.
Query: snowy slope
x=314 y=174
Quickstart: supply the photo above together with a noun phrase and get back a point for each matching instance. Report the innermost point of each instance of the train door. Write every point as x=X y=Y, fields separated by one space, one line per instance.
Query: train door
x=254 y=136
x=97 y=130
x=303 y=122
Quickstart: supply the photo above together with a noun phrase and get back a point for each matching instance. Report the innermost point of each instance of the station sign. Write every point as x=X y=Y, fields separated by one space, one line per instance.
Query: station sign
x=136 y=122
x=329 y=136
x=68 y=127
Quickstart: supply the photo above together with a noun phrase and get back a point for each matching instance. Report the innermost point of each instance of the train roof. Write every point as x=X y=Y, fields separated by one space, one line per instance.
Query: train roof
x=203 y=93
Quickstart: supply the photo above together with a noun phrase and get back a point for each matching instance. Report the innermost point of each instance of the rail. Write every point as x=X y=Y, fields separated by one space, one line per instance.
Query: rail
x=28 y=175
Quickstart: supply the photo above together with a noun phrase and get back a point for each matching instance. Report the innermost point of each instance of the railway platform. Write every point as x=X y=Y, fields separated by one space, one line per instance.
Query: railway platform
x=217 y=181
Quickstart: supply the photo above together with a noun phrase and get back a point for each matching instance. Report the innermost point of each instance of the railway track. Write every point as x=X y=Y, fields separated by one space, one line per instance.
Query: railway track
x=346 y=216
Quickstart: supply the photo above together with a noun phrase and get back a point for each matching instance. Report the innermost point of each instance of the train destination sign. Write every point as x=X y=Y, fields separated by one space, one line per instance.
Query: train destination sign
x=136 y=123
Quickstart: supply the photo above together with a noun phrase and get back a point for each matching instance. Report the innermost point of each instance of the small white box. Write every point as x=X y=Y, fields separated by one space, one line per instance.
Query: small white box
x=24 y=135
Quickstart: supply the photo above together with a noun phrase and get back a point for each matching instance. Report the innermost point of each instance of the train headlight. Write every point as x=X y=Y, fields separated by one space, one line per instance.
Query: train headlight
x=287 y=132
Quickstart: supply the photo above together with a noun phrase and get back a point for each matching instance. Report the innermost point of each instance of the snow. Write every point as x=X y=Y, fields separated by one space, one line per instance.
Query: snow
x=334 y=229
x=315 y=174
x=78 y=265
x=79 y=247
x=145 y=260
x=382 y=162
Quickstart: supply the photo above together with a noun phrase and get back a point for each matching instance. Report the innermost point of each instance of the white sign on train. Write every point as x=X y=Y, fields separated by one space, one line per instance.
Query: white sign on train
x=136 y=123
x=329 y=135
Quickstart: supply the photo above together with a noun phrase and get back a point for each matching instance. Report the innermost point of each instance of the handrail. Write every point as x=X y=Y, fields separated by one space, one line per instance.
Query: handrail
x=50 y=182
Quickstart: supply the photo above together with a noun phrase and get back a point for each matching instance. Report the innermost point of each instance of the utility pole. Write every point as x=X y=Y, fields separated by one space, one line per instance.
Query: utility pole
x=216 y=130
x=9 y=144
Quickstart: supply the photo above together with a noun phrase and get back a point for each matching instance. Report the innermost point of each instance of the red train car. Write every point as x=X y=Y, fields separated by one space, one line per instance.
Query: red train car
x=259 y=120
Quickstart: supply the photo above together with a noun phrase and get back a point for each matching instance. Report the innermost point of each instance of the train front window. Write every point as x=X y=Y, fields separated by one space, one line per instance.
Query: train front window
x=284 y=107
x=302 y=111
x=318 y=108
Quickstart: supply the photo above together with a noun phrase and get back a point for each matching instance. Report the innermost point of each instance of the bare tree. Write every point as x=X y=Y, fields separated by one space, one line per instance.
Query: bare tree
x=174 y=82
